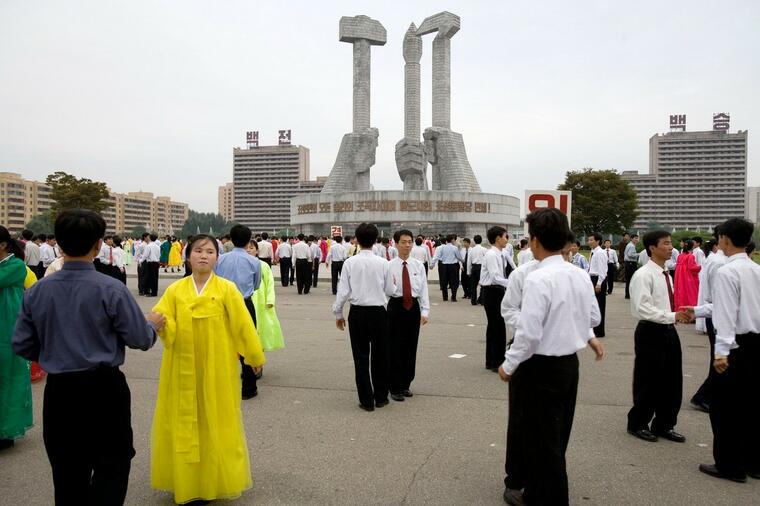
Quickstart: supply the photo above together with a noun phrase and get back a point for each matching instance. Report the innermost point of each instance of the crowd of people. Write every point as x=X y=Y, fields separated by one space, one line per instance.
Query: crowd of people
x=542 y=304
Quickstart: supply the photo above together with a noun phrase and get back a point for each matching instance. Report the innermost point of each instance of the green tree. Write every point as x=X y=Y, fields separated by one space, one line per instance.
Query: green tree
x=602 y=201
x=42 y=223
x=205 y=222
x=70 y=192
x=138 y=231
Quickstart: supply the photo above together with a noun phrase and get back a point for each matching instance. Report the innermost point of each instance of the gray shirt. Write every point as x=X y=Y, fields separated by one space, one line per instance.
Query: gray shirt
x=79 y=319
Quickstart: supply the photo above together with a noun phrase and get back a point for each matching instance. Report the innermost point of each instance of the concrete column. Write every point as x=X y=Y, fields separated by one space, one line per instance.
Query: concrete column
x=362 y=70
x=442 y=82
x=412 y=56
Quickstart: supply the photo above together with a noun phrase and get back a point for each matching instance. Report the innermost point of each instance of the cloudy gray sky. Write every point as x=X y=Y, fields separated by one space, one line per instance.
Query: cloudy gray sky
x=153 y=95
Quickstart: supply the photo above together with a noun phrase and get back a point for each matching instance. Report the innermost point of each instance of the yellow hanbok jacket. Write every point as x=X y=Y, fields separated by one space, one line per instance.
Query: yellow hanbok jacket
x=198 y=447
x=175 y=254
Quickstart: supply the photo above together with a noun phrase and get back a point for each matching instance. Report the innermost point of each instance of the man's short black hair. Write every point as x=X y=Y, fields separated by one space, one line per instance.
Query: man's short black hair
x=577 y=243
x=478 y=239
x=78 y=231
x=653 y=239
x=153 y=237
x=50 y=237
x=385 y=240
x=42 y=237
x=283 y=238
x=467 y=240
x=697 y=239
x=688 y=245
x=264 y=236
x=145 y=234
x=366 y=234
x=240 y=235
x=300 y=237
x=338 y=239
x=739 y=231
x=608 y=240
x=451 y=237
x=550 y=227
x=629 y=235
x=346 y=238
x=597 y=236
x=523 y=243
x=634 y=236
x=495 y=232
x=418 y=241
x=27 y=234
x=397 y=235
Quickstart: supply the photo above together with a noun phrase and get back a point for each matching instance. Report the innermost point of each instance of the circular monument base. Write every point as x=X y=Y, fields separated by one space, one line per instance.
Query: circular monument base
x=422 y=212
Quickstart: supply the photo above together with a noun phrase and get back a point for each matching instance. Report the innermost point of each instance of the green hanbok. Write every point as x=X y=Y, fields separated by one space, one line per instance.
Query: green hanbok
x=267 y=323
x=166 y=246
x=15 y=379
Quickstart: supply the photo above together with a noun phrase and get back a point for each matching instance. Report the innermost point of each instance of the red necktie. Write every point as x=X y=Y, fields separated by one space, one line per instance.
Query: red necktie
x=670 y=290
x=110 y=255
x=406 y=289
x=608 y=256
x=388 y=255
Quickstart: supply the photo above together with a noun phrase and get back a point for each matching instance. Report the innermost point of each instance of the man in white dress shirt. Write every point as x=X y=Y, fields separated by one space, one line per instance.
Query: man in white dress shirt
x=421 y=252
x=335 y=258
x=464 y=252
x=631 y=260
x=474 y=262
x=265 y=249
x=141 y=252
x=151 y=263
x=699 y=254
x=387 y=251
x=558 y=308
x=408 y=308
x=598 y=272
x=316 y=259
x=612 y=264
x=734 y=412
x=670 y=265
x=364 y=283
x=448 y=260
x=657 y=369
x=302 y=259
x=284 y=254
x=493 y=285
x=47 y=251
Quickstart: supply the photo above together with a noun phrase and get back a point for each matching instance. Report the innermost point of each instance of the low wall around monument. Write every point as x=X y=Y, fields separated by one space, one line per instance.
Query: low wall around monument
x=426 y=212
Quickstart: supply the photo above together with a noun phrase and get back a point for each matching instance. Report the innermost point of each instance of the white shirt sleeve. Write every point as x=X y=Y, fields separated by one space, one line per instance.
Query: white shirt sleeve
x=530 y=329
x=725 y=311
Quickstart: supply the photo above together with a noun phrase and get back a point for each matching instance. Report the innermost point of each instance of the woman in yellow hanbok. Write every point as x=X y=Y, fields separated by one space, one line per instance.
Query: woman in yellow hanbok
x=198 y=448
x=175 y=255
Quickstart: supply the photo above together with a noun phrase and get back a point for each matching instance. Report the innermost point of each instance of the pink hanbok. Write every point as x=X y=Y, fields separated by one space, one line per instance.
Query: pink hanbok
x=687 y=280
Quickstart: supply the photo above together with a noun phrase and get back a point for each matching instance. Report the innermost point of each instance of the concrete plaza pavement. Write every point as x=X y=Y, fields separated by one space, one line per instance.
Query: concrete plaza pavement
x=311 y=444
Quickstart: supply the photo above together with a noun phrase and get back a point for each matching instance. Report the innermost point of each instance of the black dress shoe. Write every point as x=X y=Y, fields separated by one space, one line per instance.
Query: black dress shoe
x=755 y=475
x=643 y=434
x=6 y=443
x=713 y=471
x=700 y=406
x=513 y=497
x=250 y=394
x=367 y=408
x=407 y=393
x=397 y=397
x=380 y=404
x=453 y=299
x=672 y=435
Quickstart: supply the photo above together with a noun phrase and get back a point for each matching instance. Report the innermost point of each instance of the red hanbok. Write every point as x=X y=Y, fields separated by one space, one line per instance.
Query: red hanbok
x=687 y=280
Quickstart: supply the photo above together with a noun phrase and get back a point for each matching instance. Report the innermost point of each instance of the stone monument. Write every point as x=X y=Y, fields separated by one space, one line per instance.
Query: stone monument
x=453 y=202
x=357 y=149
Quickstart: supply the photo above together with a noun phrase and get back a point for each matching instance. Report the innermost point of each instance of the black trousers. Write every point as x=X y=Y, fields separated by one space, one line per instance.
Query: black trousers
x=496 y=329
x=286 y=268
x=601 y=299
x=451 y=280
x=657 y=378
x=267 y=260
x=611 y=275
x=544 y=390
x=630 y=268
x=335 y=269
x=705 y=393
x=248 y=377
x=151 y=278
x=368 y=330
x=442 y=281
x=303 y=275
x=427 y=269
x=466 y=284
x=474 y=280
x=314 y=273
x=734 y=412
x=141 y=274
x=86 y=426
x=403 y=336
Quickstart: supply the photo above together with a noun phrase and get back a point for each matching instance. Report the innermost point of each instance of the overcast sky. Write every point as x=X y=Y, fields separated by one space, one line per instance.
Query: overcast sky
x=153 y=95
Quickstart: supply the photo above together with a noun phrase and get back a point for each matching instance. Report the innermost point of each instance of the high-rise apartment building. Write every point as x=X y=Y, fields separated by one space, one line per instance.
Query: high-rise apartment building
x=753 y=204
x=696 y=179
x=227 y=201
x=22 y=199
x=265 y=178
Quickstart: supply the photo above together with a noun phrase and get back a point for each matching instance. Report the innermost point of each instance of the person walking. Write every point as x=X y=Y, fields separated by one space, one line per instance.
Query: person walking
x=335 y=258
x=449 y=258
x=474 y=265
x=316 y=259
x=303 y=259
x=631 y=260
x=493 y=285
x=598 y=272
x=284 y=255
x=612 y=265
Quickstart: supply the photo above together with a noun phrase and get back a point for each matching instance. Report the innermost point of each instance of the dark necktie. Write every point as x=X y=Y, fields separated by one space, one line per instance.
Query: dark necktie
x=406 y=289
x=670 y=290
x=110 y=255
x=466 y=253
x=388 y=255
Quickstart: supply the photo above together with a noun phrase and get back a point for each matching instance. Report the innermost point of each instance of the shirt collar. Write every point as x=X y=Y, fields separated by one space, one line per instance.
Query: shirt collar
x=78 y=266
x=738 y=256
x=366 y=252
x=10 y=255
x=553 y=259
